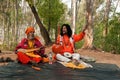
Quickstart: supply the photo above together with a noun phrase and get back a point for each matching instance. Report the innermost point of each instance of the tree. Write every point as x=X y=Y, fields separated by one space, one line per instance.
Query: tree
x=6 y=12
x=107 y=11
x=89 y=22
x=16 y=21
x=50 y=11
x=74 y=6
x=112 y=39
x=43 y=30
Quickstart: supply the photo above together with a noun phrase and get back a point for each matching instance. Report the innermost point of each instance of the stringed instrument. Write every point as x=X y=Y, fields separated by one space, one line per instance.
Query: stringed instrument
x=30 y=52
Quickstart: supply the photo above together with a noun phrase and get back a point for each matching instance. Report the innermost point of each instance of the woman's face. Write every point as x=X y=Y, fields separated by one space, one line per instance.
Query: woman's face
x=64 y=30
x=30 y=35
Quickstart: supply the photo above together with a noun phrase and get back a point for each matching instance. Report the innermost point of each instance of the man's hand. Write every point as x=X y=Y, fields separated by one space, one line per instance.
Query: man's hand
x=22 y=50
x=42 y=48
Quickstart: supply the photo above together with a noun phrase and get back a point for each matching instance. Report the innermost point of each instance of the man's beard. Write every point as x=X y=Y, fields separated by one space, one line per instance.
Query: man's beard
x=31 y=37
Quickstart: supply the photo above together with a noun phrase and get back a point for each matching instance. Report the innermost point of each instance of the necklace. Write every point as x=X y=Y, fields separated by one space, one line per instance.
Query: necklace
x=66 y=40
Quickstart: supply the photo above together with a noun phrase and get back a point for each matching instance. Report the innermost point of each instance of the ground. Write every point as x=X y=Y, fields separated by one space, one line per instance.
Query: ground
x=100 y=56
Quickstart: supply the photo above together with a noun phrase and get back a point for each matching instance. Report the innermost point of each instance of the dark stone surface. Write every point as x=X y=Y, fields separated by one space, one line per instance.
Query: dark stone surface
x=56 y=71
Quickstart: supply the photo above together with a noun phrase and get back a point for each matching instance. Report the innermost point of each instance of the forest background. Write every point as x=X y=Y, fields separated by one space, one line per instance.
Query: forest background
x=100 y=16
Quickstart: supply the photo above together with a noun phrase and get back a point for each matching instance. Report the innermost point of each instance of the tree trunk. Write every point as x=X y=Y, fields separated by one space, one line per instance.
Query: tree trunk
x=8 y=26
x=43 y=31
x=108 y=3
x=49 y=25
x=88 y=44
x=16 y=21
x=49 y=21
x=73 y=5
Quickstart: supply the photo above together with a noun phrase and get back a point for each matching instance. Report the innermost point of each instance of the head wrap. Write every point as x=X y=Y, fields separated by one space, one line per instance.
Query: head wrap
x=29 y=29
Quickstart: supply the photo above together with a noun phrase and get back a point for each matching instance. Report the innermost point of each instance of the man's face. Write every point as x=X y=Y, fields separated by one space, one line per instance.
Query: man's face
x=30 y=35
x=64 y=30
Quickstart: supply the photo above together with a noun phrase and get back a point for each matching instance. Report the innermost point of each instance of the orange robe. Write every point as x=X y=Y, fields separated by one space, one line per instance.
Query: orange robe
x=67 y=45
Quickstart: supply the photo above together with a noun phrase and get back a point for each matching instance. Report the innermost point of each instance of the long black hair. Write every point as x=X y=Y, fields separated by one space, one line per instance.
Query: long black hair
x=69 y=31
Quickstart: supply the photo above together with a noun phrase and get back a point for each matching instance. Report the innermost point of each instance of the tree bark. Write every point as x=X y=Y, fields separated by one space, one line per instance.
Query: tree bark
x=49 y=21
x=88 y=44
x=43 y=30
x=73 y=5
x=16 y=21
x=108 y=3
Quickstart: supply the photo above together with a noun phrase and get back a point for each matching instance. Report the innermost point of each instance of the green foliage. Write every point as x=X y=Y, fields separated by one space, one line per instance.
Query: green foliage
x=112 y=40
x=4 y=47
x=98 y=36
x=79 y=44
x=78 y=29
x=13 y=45
x=50 y=11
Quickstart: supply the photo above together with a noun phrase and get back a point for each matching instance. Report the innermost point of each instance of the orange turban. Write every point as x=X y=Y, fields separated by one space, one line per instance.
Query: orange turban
x=29 y=29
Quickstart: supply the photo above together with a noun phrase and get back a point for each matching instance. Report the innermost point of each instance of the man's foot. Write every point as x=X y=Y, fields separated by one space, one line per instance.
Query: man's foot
x=86 y=64
x=33 y=63
x=75 y=62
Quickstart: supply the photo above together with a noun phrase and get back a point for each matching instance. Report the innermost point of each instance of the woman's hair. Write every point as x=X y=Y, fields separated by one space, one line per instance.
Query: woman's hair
x=69 y=31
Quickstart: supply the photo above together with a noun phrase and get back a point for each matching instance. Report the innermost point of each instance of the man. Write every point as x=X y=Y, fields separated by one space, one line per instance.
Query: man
x=30 y=49
x=65 y=50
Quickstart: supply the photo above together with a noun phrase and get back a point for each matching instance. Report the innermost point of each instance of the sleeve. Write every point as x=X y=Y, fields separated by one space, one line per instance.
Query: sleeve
x=42 y=51
x=78 y=37
x=19 y=45
x=58 y=39
x=38 y=45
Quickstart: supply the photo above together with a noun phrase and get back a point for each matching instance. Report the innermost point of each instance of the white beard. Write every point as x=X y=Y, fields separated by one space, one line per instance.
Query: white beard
x=31 y=37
